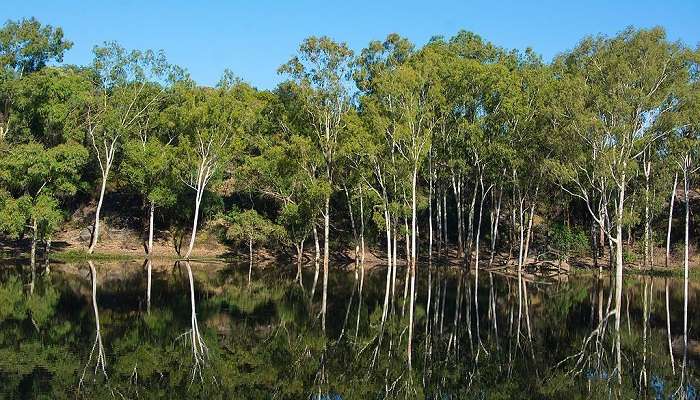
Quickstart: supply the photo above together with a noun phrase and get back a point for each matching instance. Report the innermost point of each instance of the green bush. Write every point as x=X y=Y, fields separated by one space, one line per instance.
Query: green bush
x=568 y=242
x=629 y=256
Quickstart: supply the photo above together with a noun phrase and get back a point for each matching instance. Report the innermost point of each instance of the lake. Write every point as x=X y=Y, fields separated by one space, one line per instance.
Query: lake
x=199 y=330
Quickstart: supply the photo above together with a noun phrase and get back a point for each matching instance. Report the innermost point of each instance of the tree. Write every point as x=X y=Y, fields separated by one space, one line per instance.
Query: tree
x=627 y=85
x=321 y=72
x=26 y=46
x=251 y=228
x=147 y=165
x=211 y=124
x=128 y=85
x=35 y=179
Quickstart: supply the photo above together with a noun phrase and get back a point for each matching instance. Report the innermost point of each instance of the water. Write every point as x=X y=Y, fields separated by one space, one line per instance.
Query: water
x=263 y=340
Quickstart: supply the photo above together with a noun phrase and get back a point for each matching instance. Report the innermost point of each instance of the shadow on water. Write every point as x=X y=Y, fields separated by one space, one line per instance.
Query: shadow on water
x=155 y=330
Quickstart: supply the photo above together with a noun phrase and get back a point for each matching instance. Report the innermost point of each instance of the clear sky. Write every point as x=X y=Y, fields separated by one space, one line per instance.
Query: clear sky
x=253 y=38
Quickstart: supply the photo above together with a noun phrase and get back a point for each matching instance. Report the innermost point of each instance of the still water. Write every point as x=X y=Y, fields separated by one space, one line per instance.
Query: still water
x=162 y=330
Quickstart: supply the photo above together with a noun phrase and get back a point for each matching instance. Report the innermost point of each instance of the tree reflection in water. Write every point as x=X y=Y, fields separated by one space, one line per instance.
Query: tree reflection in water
x=507 y=336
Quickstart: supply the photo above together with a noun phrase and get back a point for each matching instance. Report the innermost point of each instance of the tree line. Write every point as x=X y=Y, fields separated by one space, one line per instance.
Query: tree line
x=457 y=145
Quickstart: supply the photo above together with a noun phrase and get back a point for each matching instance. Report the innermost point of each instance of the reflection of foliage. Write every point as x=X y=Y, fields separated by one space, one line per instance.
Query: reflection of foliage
x=12 y=299
x=265 y=341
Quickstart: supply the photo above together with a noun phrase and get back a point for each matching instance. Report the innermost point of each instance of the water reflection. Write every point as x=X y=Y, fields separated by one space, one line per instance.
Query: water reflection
x=200 y=330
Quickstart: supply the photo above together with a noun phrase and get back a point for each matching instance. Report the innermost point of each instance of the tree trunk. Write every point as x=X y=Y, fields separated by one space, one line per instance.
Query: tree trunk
x=387 y=225
x=300 y=260
x=197 y=202
x=317 y=259
x=470 y=226
x=528 y=234
x=619 y=242
x=96 y=226
x=430 y=209
x=326 y=228
x=668 y=328
x=647 y=222
x=670 y=219
x=35 y=233
x=686 y=234
x=413 y=264
x=457 y=188
x=150 y=228
x=444 y=221
x=496 y=215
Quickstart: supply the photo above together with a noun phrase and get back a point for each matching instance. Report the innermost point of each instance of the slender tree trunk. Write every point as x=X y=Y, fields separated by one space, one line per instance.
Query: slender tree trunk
x=668 y=328
x=457 y=188
x=647 y=222
x=407 y=278
x=686 y=189
x=438 y=220
x=96 y=227
x=387 y=225
x=496 y=215
x=150 y=228
x=326 y=229
x=430 y=209
x=394 y=263
x=35 y=233
x=317 y=259
x=444 y=221
x=470 y=226
x=195 y=222
x=619 y=242
x=528 y=235
x=300 y=261
x=670 y=218
x=362 y=232
x=484 y=193
x=412 y=265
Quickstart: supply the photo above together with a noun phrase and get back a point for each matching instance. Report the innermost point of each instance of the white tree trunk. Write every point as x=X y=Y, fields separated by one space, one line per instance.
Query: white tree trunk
x=150 y=228
x=412 y=265
x=686 y=233
x=96 y=226
x=670 y=218
x=619 y=243
x=326 y=228
x=195 y=221
x=317 y=260
x=387 y=225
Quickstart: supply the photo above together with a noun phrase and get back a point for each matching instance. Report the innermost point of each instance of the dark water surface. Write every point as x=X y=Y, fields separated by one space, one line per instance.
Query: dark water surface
x=131 y=330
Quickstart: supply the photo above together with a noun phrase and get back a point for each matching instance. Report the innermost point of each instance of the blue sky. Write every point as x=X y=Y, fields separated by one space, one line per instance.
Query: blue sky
x=254 y=38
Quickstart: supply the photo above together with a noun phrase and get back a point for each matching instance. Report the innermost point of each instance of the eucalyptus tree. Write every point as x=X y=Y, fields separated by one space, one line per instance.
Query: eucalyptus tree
x=210 y=123
x=147 y=164
x=34 y=180
x=377 y=151
x=406 y=95
x=321 y=72
x=628 y=83
x=283 y=165
x=127 y=86
x=685 y=128
x=251 y=228
x=26 y=46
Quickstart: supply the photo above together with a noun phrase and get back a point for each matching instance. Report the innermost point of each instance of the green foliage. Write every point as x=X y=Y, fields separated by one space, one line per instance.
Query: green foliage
x=249 y=226
x=27 y=45
x=568 y=242
x=629 y=256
